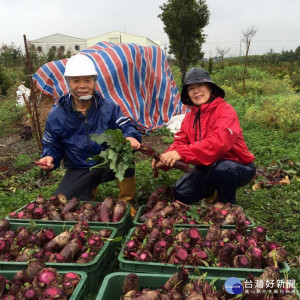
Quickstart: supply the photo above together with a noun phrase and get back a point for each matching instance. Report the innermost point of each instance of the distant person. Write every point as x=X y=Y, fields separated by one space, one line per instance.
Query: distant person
x=79 y=114
x=211 y=139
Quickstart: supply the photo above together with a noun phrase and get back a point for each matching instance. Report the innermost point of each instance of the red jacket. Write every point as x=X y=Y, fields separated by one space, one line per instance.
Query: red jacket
x=220 y=131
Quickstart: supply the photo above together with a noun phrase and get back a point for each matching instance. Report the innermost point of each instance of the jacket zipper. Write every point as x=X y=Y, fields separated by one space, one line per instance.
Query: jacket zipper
x=87 y=132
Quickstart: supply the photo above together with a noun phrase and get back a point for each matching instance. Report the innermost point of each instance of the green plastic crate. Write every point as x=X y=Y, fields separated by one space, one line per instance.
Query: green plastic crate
x=112 y=284
x=111 y=287
x=122 y=226
x=95 y=270
x=78 y=293
x=155 y=267
x=142 y=208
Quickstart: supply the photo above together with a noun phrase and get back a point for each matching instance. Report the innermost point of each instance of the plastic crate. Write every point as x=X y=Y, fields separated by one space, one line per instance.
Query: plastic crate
x=95 y=270
x=142 y=208
x=122 y=226
x=78 y=293
x=111 y=287
x=155 y=267
x=112 y=284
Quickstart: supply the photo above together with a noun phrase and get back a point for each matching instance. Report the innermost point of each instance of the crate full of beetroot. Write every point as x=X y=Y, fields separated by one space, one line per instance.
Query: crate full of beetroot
x=182 y=285
x=161 y=205
x=39 y=282
x=162 y=247
x=58 y=208
x=78 y=247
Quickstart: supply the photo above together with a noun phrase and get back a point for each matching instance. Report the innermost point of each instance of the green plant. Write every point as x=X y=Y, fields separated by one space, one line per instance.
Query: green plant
x=276 y=111
x=22 y=160
x=167 y=139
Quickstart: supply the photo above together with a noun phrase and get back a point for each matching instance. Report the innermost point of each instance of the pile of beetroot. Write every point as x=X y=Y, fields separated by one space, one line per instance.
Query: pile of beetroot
x=58 y=208
x=160 y=205
x=160 y=241
x=179 y=286
x=79 y=245
x=38 y=282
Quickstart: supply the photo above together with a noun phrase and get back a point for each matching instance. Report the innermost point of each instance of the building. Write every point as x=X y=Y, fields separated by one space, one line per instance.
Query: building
x=118 y=37
x=60 y=43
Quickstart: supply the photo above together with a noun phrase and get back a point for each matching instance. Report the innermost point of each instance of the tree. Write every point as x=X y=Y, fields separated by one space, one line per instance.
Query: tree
x=248 y=34
x=222 y=53
x=184 y=21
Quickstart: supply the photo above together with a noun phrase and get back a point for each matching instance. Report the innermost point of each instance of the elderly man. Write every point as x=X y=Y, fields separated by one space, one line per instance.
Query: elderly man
x=78 y=114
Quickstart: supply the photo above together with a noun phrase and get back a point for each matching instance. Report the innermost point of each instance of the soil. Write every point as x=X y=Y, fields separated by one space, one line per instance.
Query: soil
x=11 y=146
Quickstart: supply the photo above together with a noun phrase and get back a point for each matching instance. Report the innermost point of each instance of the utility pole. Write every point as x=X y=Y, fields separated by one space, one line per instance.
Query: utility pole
x=165 y=49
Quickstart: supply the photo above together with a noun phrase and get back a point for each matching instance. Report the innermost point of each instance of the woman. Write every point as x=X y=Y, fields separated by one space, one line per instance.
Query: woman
x=211 y=139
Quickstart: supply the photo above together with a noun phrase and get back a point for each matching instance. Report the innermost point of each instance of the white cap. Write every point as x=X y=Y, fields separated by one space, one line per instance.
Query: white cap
x=80 y=65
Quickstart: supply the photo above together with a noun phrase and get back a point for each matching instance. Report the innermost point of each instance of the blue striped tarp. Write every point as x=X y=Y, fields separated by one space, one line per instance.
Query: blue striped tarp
x=137 y=78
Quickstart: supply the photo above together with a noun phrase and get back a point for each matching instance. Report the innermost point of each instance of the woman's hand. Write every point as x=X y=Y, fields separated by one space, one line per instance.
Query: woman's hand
x=133 y=143
x=169 y=158
x=45 y=163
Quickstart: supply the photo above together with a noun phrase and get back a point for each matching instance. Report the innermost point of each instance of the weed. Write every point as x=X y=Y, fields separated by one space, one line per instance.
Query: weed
x=22 y=160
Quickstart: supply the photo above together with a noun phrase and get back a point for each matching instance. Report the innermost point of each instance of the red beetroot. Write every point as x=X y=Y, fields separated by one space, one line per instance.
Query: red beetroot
x=130 y=283
x=71 y=250
x=72 y=278
x=39 y=212
x=106 y=210
x=48 y=276
x=71 y=206
x=177 y=280
x=118 y=211
x=53 y=292
x=4 y=246
x=84 y=258
x=258 y=233
x=153 y=237
x=58 y=242
x=241 y=261
x=30 y=293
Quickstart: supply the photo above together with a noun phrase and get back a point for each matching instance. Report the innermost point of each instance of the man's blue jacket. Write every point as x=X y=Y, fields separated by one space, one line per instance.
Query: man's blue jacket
x=67 y=132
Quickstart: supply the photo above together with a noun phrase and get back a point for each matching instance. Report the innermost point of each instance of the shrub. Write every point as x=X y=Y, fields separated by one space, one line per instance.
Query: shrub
x=277 y=111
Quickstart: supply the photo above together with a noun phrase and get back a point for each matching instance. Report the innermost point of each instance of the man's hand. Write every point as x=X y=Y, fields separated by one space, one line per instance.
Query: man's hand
x=45 y=163
x=169 y=158
x=133 y=143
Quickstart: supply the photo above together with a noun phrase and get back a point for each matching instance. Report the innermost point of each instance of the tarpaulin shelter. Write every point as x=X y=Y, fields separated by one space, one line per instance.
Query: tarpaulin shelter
x=138 y=78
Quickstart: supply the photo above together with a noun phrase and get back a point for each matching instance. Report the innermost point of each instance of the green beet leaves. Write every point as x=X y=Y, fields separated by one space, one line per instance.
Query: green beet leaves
x=118 y=157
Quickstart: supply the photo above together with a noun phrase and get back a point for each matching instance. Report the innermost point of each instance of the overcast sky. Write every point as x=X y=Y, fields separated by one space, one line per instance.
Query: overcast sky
x=277 y=21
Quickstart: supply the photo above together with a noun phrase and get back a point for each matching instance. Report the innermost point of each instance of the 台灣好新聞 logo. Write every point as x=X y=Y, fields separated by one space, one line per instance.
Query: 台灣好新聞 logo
x=233 y=286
